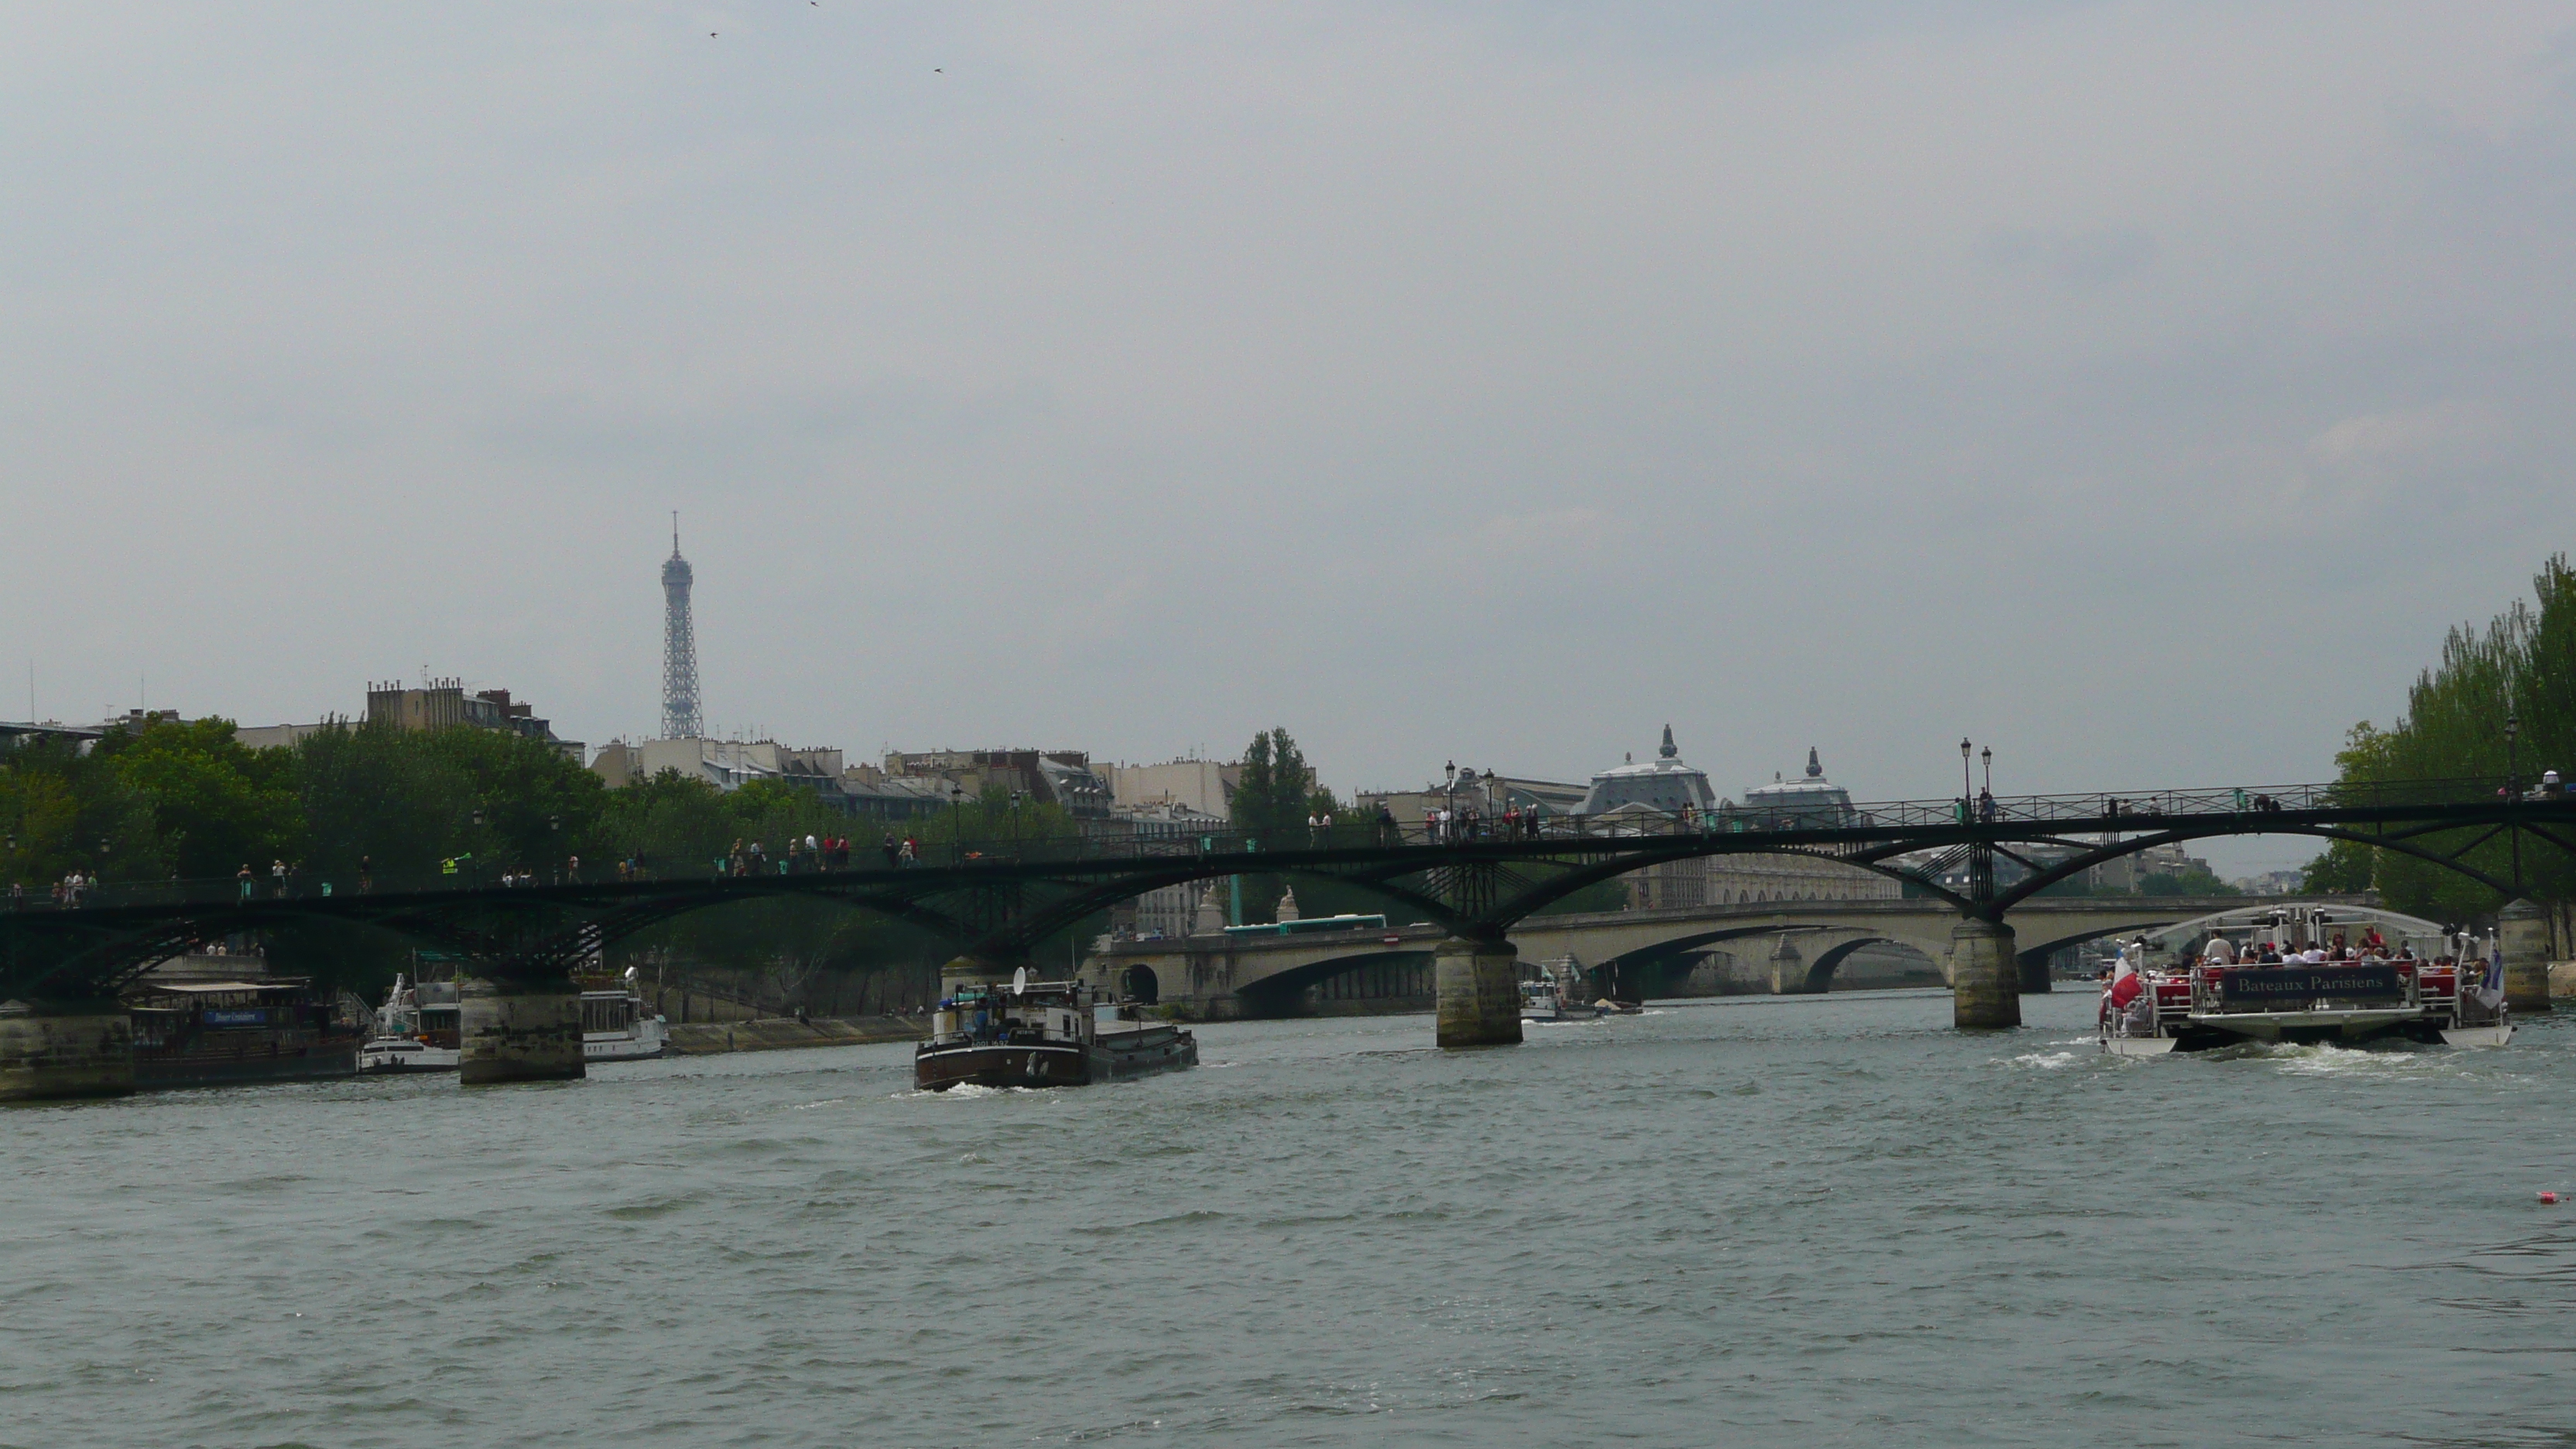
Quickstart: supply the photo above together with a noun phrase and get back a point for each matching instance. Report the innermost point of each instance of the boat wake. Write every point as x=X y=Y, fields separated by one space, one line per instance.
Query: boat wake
x=2047 y=1061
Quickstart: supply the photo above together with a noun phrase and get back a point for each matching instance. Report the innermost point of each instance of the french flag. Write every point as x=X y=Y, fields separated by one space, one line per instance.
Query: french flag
x=2491 y=986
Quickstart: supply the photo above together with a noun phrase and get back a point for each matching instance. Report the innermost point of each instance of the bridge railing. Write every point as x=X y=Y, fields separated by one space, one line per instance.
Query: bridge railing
x=1111 y=842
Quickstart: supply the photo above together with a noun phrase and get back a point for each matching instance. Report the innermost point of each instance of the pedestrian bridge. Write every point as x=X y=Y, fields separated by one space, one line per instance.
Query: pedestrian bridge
x=1796 y=948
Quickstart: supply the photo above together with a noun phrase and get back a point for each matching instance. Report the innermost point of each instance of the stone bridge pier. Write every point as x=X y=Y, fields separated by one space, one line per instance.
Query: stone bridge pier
x=517 y=1028
x=1985 y=975
x=2522 y=934
x=65 y=1048
x=1479 y=984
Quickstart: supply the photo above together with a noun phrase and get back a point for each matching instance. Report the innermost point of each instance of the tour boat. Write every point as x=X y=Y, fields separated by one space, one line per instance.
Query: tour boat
x=619 y=1025
x=2334 y=978
x=1043 y=1034
x=416 y=1030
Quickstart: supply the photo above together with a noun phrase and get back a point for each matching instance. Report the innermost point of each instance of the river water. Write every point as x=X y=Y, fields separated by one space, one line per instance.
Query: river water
x=1794 y=1221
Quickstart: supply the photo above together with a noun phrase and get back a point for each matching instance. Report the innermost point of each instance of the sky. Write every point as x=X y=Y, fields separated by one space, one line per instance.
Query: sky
x=2141 y=390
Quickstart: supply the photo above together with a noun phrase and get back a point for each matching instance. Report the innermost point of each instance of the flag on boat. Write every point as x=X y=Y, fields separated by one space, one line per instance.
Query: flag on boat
x=2491 y=985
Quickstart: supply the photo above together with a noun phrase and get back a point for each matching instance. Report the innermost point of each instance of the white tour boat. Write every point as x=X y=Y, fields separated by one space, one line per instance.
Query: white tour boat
x=416 y=1030
x=618 y=1025
x=2304 y=975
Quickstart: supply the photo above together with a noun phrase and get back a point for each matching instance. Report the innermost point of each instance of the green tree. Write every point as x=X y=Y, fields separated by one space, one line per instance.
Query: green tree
x=215 y=805
x=2522 y=663
x=62 y=810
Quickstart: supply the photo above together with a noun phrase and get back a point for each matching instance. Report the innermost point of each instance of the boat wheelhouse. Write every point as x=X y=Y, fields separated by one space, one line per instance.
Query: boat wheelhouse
x=2303 y=975
x=1044 y=1034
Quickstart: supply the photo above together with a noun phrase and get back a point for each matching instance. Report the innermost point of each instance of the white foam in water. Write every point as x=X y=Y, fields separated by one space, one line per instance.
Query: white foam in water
x=2324 y=1060
x=2046 y=1061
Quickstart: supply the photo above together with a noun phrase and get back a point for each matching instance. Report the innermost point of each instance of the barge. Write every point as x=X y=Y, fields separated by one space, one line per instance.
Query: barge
x=1044 y=1034
x=225 y=1033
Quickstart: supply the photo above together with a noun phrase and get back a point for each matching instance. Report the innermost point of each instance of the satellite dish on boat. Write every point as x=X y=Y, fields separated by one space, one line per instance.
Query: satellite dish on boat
x=1020 y=982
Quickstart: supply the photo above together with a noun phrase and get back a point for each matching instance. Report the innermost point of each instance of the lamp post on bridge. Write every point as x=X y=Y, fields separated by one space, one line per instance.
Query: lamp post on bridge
x=2513 y=788
x=2522 y=927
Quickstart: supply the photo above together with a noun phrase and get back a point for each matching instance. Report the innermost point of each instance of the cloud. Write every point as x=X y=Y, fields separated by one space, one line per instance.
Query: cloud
x=2084 y=259
x=1132 y=378
x=2447 y=426
x=1557 y=532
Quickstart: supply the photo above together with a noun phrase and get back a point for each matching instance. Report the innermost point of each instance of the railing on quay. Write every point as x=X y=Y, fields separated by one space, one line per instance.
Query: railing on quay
x=2115 y=812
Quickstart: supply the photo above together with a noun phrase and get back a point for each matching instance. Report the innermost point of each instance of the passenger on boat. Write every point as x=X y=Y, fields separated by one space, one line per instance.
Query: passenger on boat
x=2130 y=1000
x=2125 y=986
x=2220 y=952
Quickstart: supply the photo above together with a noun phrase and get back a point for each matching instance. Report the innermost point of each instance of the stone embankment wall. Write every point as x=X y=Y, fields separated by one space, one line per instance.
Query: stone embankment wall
x=784 y=1033
x=2562 y=981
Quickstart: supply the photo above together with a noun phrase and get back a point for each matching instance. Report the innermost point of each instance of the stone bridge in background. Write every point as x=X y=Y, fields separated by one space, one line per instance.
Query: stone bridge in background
x=1781 y=948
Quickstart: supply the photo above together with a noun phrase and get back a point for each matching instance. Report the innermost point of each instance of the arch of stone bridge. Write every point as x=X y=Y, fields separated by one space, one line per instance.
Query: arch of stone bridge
x=1820 y=950
x=1640 y=938
x=1278 y=993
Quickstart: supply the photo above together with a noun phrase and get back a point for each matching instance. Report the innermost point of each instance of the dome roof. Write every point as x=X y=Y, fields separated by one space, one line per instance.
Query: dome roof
x=1813 y=800
x=1662 y=783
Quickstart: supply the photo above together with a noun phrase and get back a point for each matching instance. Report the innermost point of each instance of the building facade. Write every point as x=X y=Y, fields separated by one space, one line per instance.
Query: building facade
x=445 y=704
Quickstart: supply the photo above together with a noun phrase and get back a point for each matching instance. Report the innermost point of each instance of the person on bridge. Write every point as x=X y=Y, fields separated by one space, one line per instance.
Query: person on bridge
x=1986 y=809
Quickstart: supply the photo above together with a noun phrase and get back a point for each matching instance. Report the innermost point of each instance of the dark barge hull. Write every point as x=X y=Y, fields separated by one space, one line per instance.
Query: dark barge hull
x=321 y=1063
x=1120 y=1055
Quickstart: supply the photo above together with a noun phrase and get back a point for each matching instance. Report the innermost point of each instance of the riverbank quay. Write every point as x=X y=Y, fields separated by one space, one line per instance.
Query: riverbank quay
x=786 y=1033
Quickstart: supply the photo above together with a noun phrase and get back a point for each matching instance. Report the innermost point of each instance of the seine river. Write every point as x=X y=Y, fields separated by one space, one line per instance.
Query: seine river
x=1751 y=1222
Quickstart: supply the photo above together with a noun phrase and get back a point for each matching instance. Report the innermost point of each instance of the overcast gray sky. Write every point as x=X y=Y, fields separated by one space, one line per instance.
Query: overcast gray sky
x=2140 y=388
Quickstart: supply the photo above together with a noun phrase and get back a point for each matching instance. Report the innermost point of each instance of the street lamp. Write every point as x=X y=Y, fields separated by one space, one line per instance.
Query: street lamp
x=2513 y=787
x=1966 y=789
x=1988 y=755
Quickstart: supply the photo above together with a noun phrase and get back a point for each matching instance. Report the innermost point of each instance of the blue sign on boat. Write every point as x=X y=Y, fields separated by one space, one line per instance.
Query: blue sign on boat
x=2292 y=985
x=234 y=1016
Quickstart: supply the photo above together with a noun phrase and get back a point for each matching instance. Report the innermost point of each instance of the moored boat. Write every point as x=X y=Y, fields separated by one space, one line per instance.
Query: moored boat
x=220 y=1033
x=416 y=1030
x=1044 y=1034
x=618 y=1024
